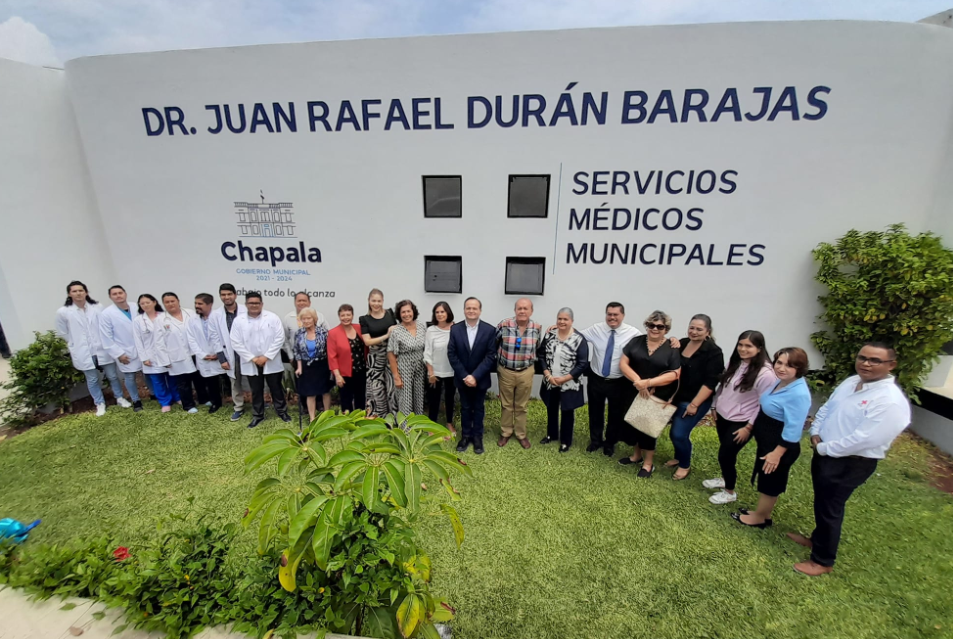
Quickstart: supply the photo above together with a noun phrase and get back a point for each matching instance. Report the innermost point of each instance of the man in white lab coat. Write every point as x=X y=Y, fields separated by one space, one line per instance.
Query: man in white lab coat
x=257 y=338
x=220 y=326
x=291 y=326
x=205 y=349
x=78 y=323
x=115 y=329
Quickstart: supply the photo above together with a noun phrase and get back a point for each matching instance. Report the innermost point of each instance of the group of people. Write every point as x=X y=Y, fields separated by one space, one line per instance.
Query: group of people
x=392 y=361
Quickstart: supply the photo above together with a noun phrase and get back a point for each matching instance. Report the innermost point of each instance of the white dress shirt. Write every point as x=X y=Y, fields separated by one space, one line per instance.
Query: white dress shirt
x=861 y=422
x=256 y=336
x=435 y=351
x=598 y=337
x=472 y=332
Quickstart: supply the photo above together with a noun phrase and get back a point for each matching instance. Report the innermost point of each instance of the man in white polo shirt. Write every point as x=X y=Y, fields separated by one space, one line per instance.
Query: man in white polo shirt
x=850 y=433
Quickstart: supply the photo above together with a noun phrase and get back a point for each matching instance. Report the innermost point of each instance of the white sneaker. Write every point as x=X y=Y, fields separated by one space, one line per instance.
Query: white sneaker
x=122 y=401
x=209 y=404
x=193 y=410
x=712 y=484
x=723 y=497
x=100 y=410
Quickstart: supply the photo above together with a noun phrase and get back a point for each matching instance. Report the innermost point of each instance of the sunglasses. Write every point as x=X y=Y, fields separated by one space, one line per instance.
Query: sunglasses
x=658 y=327
x=873 y=361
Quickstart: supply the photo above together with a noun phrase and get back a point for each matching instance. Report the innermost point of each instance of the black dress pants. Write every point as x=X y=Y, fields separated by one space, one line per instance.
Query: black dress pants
x=728 y=450
x=183 y=384
x=445 y=388
x=835 y=479
x=257 y=383
x=602 y=391
x=555 y=415
x=353 y=393
x=209 y=388
x=472 y=412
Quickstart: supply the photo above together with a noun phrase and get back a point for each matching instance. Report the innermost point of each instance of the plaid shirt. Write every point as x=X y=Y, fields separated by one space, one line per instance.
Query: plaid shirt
x=508 y=355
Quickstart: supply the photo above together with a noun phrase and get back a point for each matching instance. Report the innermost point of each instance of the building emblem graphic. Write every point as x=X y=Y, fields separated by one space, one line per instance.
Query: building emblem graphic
x=267 y=219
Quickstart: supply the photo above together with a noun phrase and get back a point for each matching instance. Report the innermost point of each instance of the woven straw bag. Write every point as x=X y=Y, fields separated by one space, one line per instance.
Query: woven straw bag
x=650 y=414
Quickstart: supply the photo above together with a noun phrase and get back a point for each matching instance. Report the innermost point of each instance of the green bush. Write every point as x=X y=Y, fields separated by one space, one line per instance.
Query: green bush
x=40 y=374
x=888 y=286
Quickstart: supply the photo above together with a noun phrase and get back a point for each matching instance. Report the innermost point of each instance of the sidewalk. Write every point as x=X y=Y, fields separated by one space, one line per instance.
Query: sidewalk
x=26 y=619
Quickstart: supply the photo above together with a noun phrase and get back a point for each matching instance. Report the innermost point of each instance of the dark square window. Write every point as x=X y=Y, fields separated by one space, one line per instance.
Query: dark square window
x=525 y=275
x=443 y=196
x=443 y=274
x=529 y=196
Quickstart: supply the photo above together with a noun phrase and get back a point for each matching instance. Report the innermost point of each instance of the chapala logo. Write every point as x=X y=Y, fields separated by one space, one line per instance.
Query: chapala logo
x=267 y=220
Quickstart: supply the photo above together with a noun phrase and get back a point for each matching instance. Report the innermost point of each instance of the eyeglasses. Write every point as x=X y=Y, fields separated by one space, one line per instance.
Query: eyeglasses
x=658 y=327
x=873 y=361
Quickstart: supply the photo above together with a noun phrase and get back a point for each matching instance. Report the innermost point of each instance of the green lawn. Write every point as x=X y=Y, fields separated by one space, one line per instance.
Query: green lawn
x=558 y=546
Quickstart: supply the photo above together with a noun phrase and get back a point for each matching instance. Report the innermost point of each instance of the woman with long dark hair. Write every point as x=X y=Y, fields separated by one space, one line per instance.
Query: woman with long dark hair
x=376 y=328
x=439 y=371
x=749 y=375
x=149 y=335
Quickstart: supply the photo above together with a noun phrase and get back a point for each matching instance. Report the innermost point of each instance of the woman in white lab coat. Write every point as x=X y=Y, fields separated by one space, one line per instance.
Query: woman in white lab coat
x=149 y=337
x=176 y=341
x=77 y=321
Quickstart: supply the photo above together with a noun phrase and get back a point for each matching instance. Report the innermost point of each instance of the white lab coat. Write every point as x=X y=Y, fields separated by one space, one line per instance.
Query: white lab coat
x=256 y=336
x=202 y=345
x=291 y=326
x=115 y=330
x=218 y=333
x=176 y=342
x=148 y=335
x=80 y=329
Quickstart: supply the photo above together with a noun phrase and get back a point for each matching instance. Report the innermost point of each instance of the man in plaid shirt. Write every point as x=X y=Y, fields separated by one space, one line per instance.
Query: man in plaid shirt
x=517 y=338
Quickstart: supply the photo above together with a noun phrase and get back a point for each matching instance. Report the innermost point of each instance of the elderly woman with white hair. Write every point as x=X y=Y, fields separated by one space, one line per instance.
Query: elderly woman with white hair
x=563 y=355
x=310 y=348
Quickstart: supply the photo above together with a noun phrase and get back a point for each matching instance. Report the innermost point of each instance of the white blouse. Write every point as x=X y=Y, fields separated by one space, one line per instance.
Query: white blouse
x=435 y=351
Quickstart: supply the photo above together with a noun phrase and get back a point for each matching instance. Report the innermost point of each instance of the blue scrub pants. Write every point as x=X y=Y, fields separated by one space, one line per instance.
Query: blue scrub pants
x=163 y=387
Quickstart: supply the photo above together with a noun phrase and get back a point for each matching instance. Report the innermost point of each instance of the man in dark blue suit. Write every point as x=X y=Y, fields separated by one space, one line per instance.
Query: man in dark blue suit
x=472 y=354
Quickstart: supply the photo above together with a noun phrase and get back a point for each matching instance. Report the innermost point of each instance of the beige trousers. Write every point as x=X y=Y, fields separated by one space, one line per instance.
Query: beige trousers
x=515 y=390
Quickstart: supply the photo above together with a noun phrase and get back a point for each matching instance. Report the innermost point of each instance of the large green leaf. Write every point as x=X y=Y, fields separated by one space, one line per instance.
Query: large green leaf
x=329 y=433
x=316 y=452
x=381 y=622
x=436 y=469
x=286 y=458
x=321 y=541
x=409 y=614
x=451 y=460
x=348 y=473
x=382 y=447
x=282 y=434
x=455 y=522
x=412 y=479
x=263 y=453
x=428 y=631
x=370 y=487
x=395 y=480
x=345 y=457
x=267 y=528
x=374 y=428
x=305 y=518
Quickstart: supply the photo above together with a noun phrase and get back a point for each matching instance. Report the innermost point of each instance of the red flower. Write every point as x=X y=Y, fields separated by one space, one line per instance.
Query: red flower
x=121 y=553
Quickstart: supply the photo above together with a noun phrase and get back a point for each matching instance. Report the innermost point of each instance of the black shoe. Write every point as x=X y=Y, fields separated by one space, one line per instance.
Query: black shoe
x=462 y=446
x=737 y=517
x=564 y=448
x=256 y=421
x=478 y=447
x=609 y=450
x=213 y=410
x=547 y=440
x=137 y=406
x=593 y=447
x=285 y=419
x=625 y=461
x=645 y=474
x=745 y=511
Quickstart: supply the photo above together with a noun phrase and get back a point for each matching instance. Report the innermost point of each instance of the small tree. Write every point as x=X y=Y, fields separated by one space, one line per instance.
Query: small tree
x=889 y=286
x=41 y=374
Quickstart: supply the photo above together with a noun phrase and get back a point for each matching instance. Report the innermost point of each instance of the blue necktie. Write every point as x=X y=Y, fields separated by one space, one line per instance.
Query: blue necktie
x=607 y=360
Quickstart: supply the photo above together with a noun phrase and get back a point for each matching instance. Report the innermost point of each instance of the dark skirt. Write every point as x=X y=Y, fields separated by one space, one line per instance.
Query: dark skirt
x=767 y=436
x=315 y=379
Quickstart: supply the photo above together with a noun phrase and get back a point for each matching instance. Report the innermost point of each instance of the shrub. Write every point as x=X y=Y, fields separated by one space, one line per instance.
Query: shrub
x=41 y=374
x=886 y=286
x=348 y=517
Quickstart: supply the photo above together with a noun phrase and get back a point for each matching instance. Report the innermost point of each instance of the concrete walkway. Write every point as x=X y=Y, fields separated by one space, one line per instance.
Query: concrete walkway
x=21 y=618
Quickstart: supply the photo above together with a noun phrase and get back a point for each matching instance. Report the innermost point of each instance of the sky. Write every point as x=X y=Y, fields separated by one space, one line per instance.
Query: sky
x=49 y=32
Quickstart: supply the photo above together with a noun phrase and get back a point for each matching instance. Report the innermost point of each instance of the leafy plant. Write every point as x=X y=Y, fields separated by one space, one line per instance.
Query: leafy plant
x=349 y=513
x=888 y=286
x=40 y=374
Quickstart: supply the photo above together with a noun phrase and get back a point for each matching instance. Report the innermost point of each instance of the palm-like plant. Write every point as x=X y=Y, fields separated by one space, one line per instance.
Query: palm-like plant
x=374 y=472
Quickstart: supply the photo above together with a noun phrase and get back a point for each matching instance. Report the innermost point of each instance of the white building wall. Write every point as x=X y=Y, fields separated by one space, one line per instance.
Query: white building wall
x=50 y=230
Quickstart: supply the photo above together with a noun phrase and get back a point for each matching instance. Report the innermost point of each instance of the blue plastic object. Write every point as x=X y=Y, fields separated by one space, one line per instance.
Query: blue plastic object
x=16 y=531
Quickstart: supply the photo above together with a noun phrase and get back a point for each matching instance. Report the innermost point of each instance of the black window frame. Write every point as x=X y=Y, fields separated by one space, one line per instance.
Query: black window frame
x=541 y=261
x=423 y=185
x=444 y=258
x=509 y=193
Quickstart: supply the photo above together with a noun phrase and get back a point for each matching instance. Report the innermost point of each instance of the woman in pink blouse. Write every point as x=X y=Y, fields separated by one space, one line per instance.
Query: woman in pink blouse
x=749 y=374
